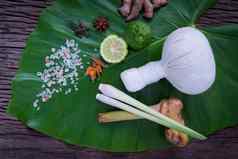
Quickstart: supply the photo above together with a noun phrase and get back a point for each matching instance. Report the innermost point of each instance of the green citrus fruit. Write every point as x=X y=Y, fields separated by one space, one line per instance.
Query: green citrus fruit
x=113 y=49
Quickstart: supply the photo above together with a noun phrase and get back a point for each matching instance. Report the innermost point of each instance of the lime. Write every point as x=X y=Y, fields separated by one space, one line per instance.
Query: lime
x=113 y=49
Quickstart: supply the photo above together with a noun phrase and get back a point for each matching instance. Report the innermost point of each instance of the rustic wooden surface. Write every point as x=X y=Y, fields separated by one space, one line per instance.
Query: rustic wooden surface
x=18 y=19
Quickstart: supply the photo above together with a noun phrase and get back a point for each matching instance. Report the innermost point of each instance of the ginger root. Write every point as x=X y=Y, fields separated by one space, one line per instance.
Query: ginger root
x=172 y=108
x=131 y=8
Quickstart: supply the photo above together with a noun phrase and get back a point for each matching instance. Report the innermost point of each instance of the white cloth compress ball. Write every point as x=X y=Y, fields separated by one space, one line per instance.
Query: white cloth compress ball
x=187 y=62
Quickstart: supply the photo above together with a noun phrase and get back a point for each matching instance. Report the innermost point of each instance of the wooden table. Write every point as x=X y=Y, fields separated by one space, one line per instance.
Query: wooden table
x=18 y=19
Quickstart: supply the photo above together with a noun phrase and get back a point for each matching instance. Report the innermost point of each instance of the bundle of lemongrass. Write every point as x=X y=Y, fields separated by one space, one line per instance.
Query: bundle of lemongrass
x=171 y=108
x=116 y=98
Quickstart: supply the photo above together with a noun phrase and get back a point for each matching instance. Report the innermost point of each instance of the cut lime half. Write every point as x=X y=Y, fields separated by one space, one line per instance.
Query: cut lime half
x=113 y=49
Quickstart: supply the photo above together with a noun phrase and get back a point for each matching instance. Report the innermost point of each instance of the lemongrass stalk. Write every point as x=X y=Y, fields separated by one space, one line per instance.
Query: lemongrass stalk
x=116 y=116
x=115 y=93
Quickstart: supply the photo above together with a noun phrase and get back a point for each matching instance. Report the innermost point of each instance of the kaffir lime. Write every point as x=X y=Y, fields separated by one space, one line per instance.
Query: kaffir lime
x=138 y=35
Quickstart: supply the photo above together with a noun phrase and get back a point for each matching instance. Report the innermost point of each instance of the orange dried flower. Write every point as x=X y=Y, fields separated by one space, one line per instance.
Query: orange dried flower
x=95 y=69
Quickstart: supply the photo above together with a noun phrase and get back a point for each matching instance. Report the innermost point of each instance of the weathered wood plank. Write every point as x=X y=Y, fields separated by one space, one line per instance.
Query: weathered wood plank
x=17 y=20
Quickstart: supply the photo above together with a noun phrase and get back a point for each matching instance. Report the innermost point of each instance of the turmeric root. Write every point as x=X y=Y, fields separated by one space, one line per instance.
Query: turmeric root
x=131 y=8
x=159 y=3
x=136 y=8
x=171 y=107
x=148 y=9
x=126 y=7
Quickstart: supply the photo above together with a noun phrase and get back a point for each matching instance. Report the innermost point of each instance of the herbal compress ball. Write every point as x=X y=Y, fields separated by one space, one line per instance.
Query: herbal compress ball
x=138 y=35
x=187 y=62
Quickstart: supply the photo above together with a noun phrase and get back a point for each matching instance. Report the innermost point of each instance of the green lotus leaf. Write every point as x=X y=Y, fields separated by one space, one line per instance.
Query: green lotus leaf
x=73 y=118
